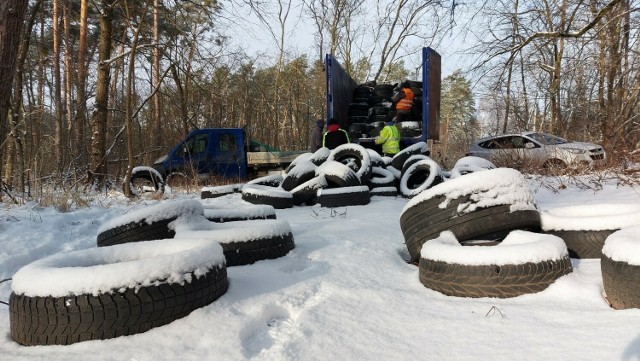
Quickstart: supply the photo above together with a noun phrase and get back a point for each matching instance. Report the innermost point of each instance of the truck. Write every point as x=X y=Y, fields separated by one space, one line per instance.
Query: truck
x=212 y=152
x=344 y=99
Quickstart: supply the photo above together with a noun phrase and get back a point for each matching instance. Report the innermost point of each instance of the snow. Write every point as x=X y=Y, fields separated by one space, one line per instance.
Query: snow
x=344 y=293
x=239 y=231
x=519 y=247
x=217 y=210
x=273 y=178
x=97 y=270
x=302 y=167
x=343 y=190
x=334 y=168
x=624 y=246
x=470 y=164
x=500 y=186
x=267 y=191
x=419 y=147
x=230 y=188
x=591 y=217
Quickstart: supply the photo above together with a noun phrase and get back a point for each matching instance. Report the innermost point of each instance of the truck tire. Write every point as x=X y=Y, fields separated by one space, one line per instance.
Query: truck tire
x=144 y=179
x=307 y=192
x=475 y=208
x=122 y=311
x=343 y=197
x=150 y=223
x=421 y=175
x=355 y=156
x=276 y=197
x=418 y=148
x=488 y=278
x=302 y=172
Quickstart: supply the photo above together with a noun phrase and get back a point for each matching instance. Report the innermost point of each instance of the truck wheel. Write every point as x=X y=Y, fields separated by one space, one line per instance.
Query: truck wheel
x=342 y=197
x=276 y=197
x=355 y=156
x=179 y=277
x=419 y=148
x=146 y=224
x=486 y=205
x=421 y=175
x=146 y=179
x=509 y=269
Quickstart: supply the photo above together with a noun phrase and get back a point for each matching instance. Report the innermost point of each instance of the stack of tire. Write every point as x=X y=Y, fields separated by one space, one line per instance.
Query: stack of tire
x=147 y=271
x=482 y=208
x=370 y=110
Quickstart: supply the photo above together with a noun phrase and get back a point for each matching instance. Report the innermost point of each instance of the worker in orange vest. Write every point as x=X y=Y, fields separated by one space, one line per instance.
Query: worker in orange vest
x=404 y=102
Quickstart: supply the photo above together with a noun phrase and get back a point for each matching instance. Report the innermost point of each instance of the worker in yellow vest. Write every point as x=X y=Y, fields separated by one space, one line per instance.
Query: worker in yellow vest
x=390 y=139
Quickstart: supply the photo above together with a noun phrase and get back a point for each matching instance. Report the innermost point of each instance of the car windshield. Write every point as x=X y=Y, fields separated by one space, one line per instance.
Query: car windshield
x=548 y=139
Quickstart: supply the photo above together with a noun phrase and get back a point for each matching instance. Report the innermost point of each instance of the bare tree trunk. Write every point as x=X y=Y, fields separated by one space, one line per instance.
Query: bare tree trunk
x=155 y=80
x=81 y=101
x=99 y=115
x=129 y=112
x=59 y=112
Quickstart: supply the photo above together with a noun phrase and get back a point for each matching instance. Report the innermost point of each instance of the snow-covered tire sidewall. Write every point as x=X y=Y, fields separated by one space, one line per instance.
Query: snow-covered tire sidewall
x=419 y=148
x=380 y=178
x=421 y=175
x=215 y=192
x=307 y=192
x=359 y=154
x=620 y=281
x=251 y=251
x=584 y=244
x=273 y=180
x=253 y=212
x=64 y=320
x=343 y=197
x=302 y=172
x=153 y=224
x=276 y=197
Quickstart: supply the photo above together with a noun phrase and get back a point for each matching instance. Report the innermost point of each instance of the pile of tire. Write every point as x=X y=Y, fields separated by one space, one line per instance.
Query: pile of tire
x=144 y=273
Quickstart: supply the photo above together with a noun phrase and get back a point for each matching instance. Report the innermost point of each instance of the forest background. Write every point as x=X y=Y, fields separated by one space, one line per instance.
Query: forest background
x=90 y=88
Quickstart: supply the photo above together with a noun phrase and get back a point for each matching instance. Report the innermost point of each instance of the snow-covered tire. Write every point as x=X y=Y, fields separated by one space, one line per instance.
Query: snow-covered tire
x=585 y=228
x=358 y=158
x=523 y=263
x=621 y=268
x=247 y=242
x=301 y=158
x=342 y=197
x=276 y=197
x=302 y=172
x=384 y=191
x=146 y=224
x=381 y=178
x=376 y=159
x=307 y=192
x=470 y=164
x=480 y=205
x=338 y=175
x=217 y=191
x=48 y=307
x=411 y=161
x=420 y=176
x=273 y=180
x=320 y=156
x=240 y=213
x=418 y=148
x=146 y=178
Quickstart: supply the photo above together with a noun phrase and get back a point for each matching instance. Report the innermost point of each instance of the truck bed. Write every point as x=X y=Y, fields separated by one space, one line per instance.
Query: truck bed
x=272 y=159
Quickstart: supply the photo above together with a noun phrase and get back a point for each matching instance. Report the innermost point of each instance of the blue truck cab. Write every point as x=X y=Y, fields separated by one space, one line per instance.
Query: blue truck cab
x=340 y=96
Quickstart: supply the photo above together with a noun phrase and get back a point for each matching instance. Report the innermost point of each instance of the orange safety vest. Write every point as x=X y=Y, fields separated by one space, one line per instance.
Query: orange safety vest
x=406 y=102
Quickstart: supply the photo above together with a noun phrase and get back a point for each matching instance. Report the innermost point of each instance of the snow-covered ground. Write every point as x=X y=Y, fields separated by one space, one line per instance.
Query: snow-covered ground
x=344 y=293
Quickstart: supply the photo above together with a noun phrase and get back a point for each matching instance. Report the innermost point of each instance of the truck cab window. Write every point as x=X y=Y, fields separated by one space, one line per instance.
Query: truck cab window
x=195 y=145
x=227 y=143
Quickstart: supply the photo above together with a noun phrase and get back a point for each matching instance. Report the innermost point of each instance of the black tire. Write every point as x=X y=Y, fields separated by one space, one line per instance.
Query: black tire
x=276 y=197
x=379 y=110
x=273 y=180
x=215 y=192
x=418 y=148
x=300 y=158
x=583 y=244
x=153 y=223
x=356 y=156
x=307 y=192
x=420 y=176
x=493 y=273
x=363 y=92
x=348 y=196
x=620 y=281
x=411 y=161
x=253 y=212
x=145 y=178
x=320 y=156
x=384 y=191
x=376 y=159
x=381 y=178
x=122 y=311
x=470 y=164
x=358 y=110
x=302 y=172
x=433 y=211
x=384 y=91
x=338 y=175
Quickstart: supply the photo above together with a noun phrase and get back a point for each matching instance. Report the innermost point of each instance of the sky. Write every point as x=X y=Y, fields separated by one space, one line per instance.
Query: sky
x=345 y=292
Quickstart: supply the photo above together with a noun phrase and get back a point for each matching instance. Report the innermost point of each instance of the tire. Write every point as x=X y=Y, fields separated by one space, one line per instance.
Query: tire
x=411 y=161
x=418 y=148
x=477 y=206
x=384 y=191
x=300 y=158
x=307 y=191
x=420 y=176
x=512 y=268
x=487 y=278
x=320 y=156
x=276 y=197
x=144 y=179
x=215 y=192
x=343 y=197
x=273 y=180
x=381 y=178
x=146 y=224
x=621 y=268
x=585 y=228
x=338 y=175
x=302 y=172
x=247 y=242
x=67 y=316
x=376 y=159
x=240 y=213
x=356 y=156
x=384 y=91
x=470 y=164
x=363 y=92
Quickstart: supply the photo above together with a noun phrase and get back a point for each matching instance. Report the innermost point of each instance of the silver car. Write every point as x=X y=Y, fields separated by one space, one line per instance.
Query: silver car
x=537 y=149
